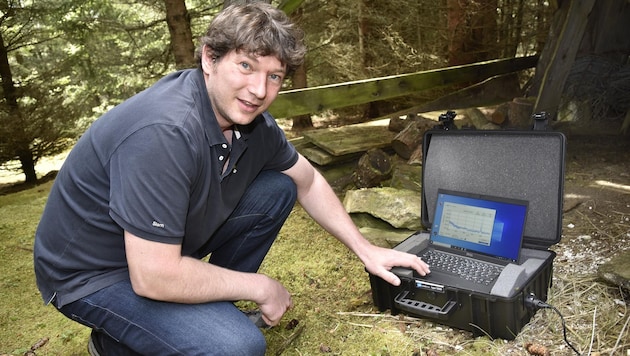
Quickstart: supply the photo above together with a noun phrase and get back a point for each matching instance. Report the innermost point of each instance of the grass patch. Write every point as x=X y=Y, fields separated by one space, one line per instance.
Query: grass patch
x=332 y=302
x=24 y=319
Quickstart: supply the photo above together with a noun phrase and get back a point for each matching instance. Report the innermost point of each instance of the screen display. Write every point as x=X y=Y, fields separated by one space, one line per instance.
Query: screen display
x=489 y=225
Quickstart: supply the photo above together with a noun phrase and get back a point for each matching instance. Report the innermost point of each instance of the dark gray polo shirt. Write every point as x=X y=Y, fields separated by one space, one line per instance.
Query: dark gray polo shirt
x=153 y=166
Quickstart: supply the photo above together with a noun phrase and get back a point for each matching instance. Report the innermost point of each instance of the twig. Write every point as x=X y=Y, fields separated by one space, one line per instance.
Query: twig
x=289 y=340
x=361 y=325
x=590 y=347
x=593 y=225
x=620 y=335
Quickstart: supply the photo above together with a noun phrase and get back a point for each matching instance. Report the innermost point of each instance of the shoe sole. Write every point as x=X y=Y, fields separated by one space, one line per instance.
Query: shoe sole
x=92 y=348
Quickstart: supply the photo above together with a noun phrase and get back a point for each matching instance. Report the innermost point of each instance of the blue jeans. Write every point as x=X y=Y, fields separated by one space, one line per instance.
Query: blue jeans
x=135 y=325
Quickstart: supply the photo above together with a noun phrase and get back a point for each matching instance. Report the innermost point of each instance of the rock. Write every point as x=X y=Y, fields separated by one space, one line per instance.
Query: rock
x=490 y=126
x=385 y=238
x=617 y=270
x=399 y=207
x=405 y=176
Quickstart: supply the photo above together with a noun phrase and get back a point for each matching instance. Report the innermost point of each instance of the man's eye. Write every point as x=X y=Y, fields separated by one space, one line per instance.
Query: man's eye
x=245 y=65
x=275 y=77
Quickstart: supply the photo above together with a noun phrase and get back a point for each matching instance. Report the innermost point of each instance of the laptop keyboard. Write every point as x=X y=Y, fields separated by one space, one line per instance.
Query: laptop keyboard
x=469 y=269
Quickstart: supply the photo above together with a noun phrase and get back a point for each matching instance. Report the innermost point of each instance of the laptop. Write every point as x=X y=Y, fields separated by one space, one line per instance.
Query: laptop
x=483 y=233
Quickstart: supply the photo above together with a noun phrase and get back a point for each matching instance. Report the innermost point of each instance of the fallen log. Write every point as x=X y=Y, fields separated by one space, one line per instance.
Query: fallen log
x=521 y=110
x=407 y=140
x=397 y=123
x=416 y=156
x=373 y=168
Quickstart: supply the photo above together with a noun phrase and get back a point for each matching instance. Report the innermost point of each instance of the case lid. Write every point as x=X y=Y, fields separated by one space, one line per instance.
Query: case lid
x=527 y=165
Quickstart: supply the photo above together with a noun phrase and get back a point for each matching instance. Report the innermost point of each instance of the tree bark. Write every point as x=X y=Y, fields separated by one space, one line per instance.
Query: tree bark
x=415 y=159
x=28 y=165
x=520 y=112
x=17 y=144
x=407 y=140
x=300 y=122
x=472 y=31
x=178 y=22
x=562 y=55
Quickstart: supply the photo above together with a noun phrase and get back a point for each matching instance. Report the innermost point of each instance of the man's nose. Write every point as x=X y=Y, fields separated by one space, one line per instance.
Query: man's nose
x=258 y=85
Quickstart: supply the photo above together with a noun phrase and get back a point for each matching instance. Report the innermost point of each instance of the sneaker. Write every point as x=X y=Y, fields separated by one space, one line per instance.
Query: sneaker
x=256 y=317
x=100 y=343
x=94 y=345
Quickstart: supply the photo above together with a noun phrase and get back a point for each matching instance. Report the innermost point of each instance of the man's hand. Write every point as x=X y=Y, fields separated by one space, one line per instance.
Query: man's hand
x=276 y=300
x=379 y=261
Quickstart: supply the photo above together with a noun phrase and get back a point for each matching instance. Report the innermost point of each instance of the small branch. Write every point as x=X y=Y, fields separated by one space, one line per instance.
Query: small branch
x=590 y=347
x=620 y=337
x=290 y=340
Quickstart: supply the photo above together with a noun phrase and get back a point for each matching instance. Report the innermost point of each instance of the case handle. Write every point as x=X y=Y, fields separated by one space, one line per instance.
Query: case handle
x=424 y=309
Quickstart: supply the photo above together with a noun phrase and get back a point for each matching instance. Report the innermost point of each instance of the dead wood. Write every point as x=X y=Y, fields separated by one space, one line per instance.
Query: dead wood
x=521 y=110
x=478 y=119
x=500 y=114
x=397 y=123
x=373 y=168
x=416 y=156
x=407 y=140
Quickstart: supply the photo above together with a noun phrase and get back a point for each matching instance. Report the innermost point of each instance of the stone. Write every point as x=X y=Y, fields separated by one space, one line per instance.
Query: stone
x=617 y=270
x=388 y=238
x=399 y=207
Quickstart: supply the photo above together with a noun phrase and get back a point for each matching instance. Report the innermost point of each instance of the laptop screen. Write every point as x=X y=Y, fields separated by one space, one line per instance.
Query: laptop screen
x=489 y=225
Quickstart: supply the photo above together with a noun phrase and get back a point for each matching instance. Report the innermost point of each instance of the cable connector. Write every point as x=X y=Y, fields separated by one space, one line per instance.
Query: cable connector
x=533 y=303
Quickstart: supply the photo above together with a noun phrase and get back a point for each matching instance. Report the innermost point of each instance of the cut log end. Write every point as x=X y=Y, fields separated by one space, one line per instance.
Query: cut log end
x=373 y=168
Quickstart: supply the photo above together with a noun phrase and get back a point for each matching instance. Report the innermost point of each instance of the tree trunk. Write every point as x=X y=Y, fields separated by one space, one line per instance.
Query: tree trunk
x=11 y=98
x=178 y=22
x=457 y=36
x=512 y=25
x=300 y=122
x=472 y=31
x=563 y=54
x=28 y=165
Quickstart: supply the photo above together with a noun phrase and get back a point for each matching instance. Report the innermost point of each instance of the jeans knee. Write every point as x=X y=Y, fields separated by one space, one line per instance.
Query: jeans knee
x=254 y=344
x=247 y=343
x=280 y=186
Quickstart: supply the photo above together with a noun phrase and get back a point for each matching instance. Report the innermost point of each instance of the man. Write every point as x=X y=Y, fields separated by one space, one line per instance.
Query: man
x=192 y=166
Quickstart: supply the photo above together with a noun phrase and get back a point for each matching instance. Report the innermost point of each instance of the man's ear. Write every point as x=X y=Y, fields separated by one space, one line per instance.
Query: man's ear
x=207 y=59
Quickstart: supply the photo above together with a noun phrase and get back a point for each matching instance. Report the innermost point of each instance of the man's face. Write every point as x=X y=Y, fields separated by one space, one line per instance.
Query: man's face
x=241 y=85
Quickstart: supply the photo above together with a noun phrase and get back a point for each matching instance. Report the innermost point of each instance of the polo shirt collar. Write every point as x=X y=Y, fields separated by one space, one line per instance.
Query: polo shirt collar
x=210 y=123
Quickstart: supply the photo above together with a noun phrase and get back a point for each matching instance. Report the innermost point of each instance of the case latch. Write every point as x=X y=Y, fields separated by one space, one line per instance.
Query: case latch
x=541 y=120
x=447 y=121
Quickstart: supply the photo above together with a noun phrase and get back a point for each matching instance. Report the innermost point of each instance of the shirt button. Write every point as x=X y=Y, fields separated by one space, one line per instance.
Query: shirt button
x=224 y=145
x=221 y=158
x=234 y=171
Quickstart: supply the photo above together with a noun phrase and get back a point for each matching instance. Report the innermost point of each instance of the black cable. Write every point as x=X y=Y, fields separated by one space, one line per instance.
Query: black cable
x=534 y=303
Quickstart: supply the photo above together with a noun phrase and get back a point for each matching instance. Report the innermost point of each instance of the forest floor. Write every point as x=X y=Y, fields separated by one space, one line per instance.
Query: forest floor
x=334 y=313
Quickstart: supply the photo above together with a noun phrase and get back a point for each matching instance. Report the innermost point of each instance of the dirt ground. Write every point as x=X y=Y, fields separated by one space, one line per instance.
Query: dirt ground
x=596 y=227
x=597 y=202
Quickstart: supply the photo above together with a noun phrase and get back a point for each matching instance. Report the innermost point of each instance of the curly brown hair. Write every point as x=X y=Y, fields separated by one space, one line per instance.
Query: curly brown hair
x=256 y=28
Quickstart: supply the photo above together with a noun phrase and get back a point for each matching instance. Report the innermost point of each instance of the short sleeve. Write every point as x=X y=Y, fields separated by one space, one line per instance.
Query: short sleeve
x=285 y=155
x=151 y=174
